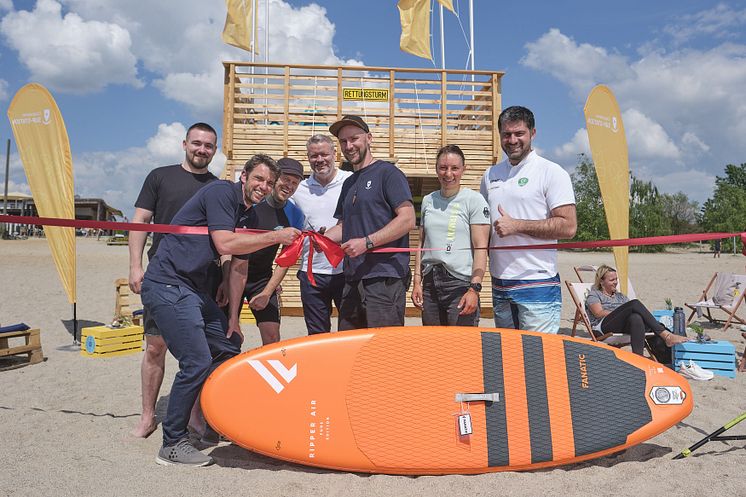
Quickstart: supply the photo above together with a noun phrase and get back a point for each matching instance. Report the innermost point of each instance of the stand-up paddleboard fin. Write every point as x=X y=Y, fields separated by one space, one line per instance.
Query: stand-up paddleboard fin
x=476 y=397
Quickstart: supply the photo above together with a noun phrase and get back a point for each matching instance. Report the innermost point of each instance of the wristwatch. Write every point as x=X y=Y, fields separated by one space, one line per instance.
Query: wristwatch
x=477 y=287
x=368 y=243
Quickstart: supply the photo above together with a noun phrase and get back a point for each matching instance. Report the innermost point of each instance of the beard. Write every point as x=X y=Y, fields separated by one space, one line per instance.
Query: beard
x=198 y=162
x=361 y=154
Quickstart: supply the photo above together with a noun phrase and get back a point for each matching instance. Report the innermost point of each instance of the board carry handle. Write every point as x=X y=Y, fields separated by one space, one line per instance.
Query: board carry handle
x=477 y=397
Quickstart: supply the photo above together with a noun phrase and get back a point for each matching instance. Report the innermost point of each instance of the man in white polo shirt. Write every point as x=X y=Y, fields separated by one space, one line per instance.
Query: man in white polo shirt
x=531 y=202
x=317 y=197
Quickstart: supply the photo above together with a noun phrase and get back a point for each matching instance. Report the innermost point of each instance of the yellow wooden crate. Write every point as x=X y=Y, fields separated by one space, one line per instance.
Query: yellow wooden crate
x=246 y=315
x=102 y=341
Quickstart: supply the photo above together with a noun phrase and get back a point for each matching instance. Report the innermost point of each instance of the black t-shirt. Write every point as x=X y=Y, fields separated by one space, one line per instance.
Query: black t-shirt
x=367 y=203
x=165 y=191
x=189 y=259
x=263 y=216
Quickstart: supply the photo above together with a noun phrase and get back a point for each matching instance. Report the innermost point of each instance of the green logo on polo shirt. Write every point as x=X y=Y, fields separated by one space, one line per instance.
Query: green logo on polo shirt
x=522 y=181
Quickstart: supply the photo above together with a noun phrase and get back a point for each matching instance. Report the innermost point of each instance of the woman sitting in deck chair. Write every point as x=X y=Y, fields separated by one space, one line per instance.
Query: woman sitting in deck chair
x=611 y=311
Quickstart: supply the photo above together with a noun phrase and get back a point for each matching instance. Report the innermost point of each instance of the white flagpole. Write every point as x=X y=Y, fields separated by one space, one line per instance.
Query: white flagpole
x=442 y=40
x=253 y=31
x=471 y=34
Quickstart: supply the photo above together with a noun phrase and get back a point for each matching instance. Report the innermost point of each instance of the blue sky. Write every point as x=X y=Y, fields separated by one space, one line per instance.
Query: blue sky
x=129 y=75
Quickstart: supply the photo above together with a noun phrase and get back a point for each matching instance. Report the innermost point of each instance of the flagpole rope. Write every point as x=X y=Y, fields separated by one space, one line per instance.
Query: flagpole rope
x=422 y=132
x=313 y=122
x=362 y=90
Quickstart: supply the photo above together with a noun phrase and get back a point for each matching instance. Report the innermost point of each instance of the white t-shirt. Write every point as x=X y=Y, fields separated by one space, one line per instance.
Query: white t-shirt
x=447 y=223
x=318 y=204
x=528 y=190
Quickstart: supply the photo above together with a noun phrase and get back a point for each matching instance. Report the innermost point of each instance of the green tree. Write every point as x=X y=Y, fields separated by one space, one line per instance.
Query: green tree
x=646 y=214
x=589 y=206
x=680 y=212
x=651 y=212
x=726 y=209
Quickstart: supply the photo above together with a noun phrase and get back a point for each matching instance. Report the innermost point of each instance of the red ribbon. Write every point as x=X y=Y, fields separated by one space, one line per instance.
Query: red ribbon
x=111 y=225
x=323 y=241
x=290 y=254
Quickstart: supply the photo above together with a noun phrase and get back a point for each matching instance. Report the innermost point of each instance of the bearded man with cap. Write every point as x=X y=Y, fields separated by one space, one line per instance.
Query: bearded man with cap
x=261 y=282
x=374 y=210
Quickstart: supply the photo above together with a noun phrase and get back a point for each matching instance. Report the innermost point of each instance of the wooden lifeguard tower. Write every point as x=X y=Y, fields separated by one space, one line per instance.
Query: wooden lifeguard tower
x=274 y=109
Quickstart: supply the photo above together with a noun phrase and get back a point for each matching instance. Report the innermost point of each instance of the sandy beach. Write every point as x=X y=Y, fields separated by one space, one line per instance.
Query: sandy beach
x=64 y=423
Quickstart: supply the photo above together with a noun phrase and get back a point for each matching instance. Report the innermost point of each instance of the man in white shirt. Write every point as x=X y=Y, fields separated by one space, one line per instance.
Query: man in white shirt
x=317 y=197
x=531 y=202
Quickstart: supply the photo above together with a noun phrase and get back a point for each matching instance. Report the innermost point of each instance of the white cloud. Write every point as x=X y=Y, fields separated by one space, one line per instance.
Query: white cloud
x=3 y=90
x=186 y=53
x=117 y=176
x=698 y=185
x=693 y=144
x=580 y=66
x=166 y=145
x=683 y=109
x=577 y=145
x=68 y=53
x=202 y=92
x=646 y=139
x=722 y=21
x=6 y=5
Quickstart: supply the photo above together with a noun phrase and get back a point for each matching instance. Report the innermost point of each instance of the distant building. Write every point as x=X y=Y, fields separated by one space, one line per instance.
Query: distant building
x=20 y=204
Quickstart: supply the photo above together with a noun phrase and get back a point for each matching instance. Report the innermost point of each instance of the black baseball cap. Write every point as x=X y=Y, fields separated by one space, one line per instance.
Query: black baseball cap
x=290 y=166
x=356 y=121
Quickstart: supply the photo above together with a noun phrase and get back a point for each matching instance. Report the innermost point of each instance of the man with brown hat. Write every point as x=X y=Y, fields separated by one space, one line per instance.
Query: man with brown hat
x=262 y=284
x=374 y=210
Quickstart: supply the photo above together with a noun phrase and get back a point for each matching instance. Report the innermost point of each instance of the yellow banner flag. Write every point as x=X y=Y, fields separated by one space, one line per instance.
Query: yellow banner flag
x=42 y=142
x=239 y=20
x=415 y=27
x=448 y=4
x=609 y=149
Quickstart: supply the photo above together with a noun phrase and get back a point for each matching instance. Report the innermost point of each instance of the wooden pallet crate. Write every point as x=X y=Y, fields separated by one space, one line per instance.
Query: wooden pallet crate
x=102 y=341
x=30 y=345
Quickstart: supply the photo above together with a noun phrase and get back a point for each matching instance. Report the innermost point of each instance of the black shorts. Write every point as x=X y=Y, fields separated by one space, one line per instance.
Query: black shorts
x=148 y=323
x=271 y=313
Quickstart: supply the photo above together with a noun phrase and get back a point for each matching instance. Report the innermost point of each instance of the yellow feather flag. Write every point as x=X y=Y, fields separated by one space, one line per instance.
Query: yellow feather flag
x=42 y=142
x=609 y=149
x=239 y=20
x=448 y=4
x=415 y=27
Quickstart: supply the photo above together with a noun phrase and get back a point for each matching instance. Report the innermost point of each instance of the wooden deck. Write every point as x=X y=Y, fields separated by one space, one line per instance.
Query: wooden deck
x=274 y=108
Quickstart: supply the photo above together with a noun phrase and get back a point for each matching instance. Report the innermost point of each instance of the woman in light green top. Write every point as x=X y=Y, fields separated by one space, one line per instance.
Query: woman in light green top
x=454 y=220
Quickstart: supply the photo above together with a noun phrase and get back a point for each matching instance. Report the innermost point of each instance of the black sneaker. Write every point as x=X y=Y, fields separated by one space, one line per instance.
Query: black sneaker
x=182 y=453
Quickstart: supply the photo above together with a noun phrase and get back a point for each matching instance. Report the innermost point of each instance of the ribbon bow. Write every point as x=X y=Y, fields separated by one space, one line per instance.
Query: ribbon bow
x=290 y=254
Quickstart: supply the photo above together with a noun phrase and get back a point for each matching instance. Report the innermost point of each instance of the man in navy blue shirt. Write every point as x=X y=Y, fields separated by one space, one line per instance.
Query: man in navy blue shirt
x=374 y=210
x=260 y=281
x=165 y=191
x=176 y=288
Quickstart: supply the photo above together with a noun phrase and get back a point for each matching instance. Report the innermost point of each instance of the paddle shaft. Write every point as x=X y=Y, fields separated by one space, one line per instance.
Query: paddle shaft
x=714 y=437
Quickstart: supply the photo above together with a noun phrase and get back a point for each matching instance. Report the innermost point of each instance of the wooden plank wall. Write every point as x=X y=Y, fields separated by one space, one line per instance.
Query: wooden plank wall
x=273 y=109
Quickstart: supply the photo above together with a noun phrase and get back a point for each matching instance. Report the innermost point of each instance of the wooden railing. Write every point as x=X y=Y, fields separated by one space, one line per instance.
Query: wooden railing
x=274 y=109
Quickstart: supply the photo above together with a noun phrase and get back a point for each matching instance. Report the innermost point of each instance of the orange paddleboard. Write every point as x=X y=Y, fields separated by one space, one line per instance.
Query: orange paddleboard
x=437 y=400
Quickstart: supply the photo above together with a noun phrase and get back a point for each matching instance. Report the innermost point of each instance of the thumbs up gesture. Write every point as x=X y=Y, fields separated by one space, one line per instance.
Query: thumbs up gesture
x=505 y=225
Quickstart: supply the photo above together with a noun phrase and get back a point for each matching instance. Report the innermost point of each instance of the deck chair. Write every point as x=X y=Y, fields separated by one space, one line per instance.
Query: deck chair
x=724 y=292
x=579 y=292
x=591 y=270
